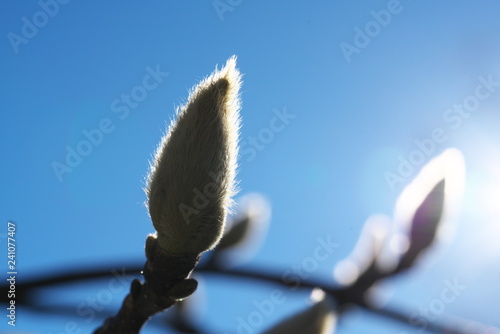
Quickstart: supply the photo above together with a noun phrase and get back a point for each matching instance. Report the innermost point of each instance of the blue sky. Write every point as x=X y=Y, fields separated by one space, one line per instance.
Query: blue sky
x=362 y=95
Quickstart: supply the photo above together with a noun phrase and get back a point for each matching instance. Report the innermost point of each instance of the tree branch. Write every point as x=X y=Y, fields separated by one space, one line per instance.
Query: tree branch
x=342 y=295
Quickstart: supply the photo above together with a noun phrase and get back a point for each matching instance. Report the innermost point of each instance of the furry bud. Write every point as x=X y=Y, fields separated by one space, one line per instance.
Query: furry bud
x=192 y=176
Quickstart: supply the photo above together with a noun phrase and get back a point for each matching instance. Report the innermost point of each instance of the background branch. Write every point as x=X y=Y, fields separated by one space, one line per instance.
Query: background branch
x=342 y=295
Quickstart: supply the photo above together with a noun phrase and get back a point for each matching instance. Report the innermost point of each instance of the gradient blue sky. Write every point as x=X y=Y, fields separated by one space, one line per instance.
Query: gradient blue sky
x=355 y=117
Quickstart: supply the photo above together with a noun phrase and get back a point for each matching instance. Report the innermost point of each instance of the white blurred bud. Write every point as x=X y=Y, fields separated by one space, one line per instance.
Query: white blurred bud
x=319 y=318
x=245 y=231
x=366 y=252
x=425 y=204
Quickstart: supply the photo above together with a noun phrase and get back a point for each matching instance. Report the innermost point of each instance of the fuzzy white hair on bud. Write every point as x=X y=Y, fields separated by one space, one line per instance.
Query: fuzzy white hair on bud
x=192 y=177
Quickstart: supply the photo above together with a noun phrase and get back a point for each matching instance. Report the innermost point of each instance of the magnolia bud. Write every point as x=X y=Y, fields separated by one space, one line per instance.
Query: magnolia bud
x=191 y=181
x=425 y=224
x=425 y=204
x=244 y=232
x=319 y=318
x=366 y=254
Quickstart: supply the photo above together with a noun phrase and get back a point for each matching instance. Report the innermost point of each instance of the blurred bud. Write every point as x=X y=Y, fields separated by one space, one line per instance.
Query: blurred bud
x=244 y=231
x=425 y=224
x=320 y=318
x=426 y=201
x=366 y=252
x=236 y=232
x=192 y=176
x=380 y=253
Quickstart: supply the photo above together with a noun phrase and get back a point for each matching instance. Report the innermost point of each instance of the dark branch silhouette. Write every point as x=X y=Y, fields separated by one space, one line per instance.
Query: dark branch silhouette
x=344 y=296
